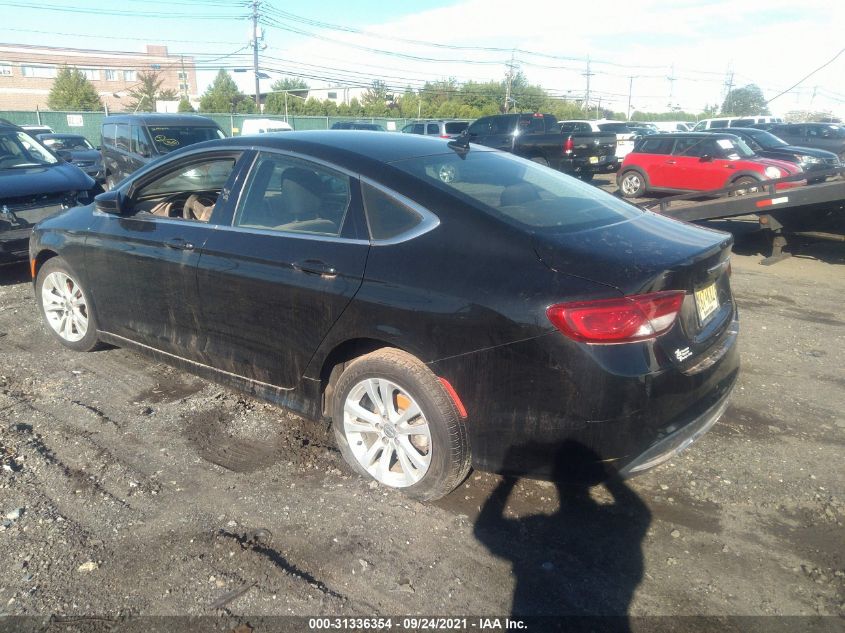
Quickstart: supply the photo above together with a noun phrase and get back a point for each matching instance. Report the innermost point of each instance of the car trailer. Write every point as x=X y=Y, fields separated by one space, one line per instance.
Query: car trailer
x=800 y=212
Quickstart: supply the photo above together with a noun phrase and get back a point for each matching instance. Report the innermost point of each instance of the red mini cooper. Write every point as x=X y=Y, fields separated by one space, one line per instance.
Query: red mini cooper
x=697 y=162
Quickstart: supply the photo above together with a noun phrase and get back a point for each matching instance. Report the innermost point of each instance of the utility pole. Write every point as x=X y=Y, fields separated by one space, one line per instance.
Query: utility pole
x=184 y=82
x=255 y=5
x=630 y=90
x=587 y=74
x=508 y=84
x=671 y=79
x=729 y=84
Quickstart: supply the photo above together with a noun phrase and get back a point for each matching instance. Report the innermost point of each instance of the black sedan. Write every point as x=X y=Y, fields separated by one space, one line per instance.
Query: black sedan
x=443 y=304
x=768 y=145
x=34 y=184
x=76 y=149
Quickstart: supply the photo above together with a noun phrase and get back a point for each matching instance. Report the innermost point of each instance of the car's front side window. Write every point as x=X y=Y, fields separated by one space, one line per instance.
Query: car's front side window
x=189 y=192
x=286 y=194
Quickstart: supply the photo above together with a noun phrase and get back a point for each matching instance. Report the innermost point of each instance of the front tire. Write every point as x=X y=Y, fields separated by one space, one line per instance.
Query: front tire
x=632 y=184
x=394 y=422
x=65 y=306
x=753 y=186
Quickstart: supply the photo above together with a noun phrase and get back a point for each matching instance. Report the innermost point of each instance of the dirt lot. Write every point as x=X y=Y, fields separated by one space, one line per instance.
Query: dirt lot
x=132 y=488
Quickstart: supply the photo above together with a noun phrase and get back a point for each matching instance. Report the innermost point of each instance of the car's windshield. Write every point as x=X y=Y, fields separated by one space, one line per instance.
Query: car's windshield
x=19 y=149
x=734 y=148
x=171 y=137
x=69 y=143
x=519 y=191
x=766 y=139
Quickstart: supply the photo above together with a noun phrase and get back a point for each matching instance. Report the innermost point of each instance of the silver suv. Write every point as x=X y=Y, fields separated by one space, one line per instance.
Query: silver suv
x=444 y=129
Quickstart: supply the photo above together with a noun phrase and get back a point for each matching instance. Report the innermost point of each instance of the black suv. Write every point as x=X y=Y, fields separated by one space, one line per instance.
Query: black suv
x=129 y=141
x=826 y=136
x=34 y=184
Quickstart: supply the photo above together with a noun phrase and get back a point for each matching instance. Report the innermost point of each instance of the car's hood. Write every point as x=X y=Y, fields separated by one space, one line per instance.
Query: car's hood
x=808 y=151
x=789 y=168
x=644 y=254
x=56 y=178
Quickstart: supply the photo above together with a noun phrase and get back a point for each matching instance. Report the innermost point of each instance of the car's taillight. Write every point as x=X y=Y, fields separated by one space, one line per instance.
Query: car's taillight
x=445 y=136
x=568 y=146
x=622 y=320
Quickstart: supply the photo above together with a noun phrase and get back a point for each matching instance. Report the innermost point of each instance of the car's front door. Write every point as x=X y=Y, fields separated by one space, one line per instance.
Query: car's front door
x=141 y=265
x=274 y=282
x=699 y=165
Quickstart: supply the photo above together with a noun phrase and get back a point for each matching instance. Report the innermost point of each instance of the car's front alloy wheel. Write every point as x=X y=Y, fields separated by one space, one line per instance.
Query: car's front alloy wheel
x=65 y=306
x=394 y=422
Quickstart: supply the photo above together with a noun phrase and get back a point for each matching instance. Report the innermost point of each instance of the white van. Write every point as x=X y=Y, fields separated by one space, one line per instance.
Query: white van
x=734 y=121
x=263 y=126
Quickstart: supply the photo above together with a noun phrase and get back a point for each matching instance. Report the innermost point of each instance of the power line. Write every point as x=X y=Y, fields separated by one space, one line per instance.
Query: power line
x=803 y=79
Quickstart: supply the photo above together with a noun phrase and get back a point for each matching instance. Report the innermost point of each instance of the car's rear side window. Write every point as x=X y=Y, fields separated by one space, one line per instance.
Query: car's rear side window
x=108 y=135
x=121 y=140
x=456 y=127
x=717 y=124
x=387 y=216
x=655 y=146
x=519 y=191
x=291 y=195
x=433 y=128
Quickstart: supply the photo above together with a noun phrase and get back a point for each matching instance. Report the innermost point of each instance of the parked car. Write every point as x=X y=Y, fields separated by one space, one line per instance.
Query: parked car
x=328 y=273
x=625 y=136
x=670 y=126
x=697 y=161
x=734 y=121
x=826 y=136
x=357 y=125
x=130 y=141
x=443 y=129
x=76 y=149
x=34 y=184
x=641 y=129
x=768 y=145
x=264 y=126
x=539 y=137
x=33 y=130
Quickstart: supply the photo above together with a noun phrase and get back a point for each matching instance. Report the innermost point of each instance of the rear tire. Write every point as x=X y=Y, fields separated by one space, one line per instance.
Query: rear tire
x=586 y=176
x=394 y=422
x=65 y=306
x=632 y=184
x=540 y=161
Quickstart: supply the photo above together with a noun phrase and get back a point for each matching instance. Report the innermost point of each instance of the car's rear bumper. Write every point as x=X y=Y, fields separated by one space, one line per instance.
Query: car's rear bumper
x=603 y=164
x=549 y=409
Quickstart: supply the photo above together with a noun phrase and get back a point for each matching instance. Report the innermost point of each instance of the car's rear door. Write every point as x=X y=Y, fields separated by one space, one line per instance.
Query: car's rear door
x=654 y=156
x=274 y=281
x=141 y=265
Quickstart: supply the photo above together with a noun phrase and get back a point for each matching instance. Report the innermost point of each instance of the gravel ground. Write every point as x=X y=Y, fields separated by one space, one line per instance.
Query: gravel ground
x=130 y=488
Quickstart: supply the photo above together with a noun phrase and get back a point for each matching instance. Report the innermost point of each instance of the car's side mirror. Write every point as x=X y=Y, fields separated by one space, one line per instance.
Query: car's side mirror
x=65 y=155
x=110 y=202
x=705 y=158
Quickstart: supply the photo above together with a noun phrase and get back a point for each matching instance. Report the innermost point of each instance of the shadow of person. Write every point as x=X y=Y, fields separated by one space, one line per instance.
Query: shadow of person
x=585 y=559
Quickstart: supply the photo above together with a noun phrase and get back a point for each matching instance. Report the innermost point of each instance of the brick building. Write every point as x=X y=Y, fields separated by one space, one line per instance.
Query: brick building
x=27 y=73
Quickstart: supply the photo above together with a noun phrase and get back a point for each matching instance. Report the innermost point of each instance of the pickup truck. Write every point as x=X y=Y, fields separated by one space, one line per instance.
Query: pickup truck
x=538 y=137
x=625 y=135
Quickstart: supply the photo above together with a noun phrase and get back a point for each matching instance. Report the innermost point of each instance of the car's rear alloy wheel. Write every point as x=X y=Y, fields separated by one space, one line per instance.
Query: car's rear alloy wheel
x=394 y=421
x=65 y=306
x=632 y=184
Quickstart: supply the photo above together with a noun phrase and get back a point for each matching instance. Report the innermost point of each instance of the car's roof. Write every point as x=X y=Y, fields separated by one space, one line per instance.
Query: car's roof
x=346 y=148
x=160 y=119
x=675 y=135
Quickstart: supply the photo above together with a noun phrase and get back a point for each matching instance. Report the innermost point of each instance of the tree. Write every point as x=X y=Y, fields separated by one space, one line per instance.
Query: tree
x=223 y=95
x=296 y=89
x=185 y=106
x=289 y=83
x=375 y=99
x=148 y=91
x=72 y=91
x=745 y=101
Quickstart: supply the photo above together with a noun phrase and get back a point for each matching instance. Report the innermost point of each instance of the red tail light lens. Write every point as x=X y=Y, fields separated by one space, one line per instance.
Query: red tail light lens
x=623 y=320
x=568 y=146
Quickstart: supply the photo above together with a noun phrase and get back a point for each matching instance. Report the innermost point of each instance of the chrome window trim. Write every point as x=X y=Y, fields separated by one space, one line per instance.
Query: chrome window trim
x=428 y=223
x=307 y=236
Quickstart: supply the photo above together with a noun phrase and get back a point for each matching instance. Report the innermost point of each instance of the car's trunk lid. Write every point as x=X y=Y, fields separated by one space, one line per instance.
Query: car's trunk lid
x=651 y=253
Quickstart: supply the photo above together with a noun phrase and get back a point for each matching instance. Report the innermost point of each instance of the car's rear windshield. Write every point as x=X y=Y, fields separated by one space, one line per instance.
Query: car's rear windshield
x=519 y=191
x=170 y=137
x=456 y=127
x=71 y=143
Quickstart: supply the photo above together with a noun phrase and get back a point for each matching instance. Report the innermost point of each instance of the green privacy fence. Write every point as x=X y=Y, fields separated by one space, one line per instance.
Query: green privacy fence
x=88 y=123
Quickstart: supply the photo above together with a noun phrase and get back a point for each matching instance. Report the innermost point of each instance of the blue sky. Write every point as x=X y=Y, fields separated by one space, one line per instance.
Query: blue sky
x=699 y=43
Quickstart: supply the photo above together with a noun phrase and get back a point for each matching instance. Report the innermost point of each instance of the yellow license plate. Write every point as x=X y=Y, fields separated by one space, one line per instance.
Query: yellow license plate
x=706 y=302
x=594 y=160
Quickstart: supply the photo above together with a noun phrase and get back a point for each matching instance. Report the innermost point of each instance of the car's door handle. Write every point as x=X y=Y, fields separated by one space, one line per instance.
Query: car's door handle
x=179 y=244
x=316 y=267
x=670 y=162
